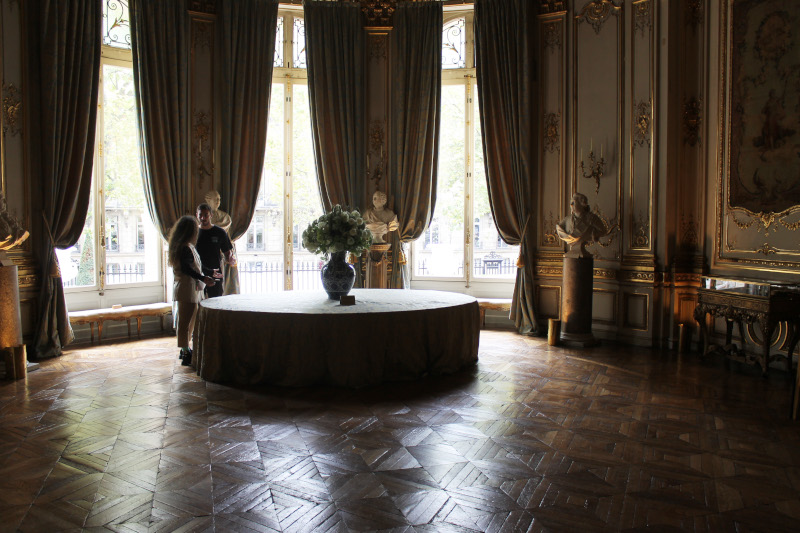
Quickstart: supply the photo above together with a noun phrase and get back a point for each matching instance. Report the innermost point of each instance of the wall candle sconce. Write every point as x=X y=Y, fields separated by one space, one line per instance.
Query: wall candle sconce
x=596 y=168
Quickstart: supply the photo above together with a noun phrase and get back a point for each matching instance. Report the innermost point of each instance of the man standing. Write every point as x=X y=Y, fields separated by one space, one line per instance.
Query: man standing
x=212 y=243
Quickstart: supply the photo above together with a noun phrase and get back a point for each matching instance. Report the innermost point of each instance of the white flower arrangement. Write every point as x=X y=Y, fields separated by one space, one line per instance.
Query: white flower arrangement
x=340 y=230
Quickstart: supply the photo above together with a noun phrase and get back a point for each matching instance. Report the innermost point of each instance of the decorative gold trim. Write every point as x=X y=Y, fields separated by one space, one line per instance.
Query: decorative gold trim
x=636 y=276
x=689 y=233
x=614 y=307
x=202 y=151
x=791 y=226
x=549 y=237
x=692 y=120
x=548 y=270
x=12 y=109
x=551 y=133
x=605 y=273
x=597 y=12
x=203 y=6
x=378 y=12
x=201 y=35
x=551 y=6
x=641 y=232
x=551 y=32
x=693 y=16
x=766 y=249
x=644 y=117
x=375 y=148
x=539 y=289
x=641 y=17
x=376 y=43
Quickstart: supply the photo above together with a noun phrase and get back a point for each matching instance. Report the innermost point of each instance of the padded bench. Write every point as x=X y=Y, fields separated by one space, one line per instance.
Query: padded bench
x=501 y=304
x=99 y=316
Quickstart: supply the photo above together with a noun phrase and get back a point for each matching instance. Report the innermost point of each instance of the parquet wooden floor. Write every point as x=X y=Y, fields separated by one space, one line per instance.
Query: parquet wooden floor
x=120 y=437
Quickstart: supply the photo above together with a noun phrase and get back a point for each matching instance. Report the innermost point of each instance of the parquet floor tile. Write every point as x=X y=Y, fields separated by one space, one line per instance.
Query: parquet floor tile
x=534 y=438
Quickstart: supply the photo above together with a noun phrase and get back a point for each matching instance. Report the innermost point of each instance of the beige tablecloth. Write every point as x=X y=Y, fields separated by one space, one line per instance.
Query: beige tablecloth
x=299 y=338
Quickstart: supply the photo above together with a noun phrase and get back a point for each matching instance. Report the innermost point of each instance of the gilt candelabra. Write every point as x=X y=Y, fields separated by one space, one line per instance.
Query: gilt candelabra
x=596 y=169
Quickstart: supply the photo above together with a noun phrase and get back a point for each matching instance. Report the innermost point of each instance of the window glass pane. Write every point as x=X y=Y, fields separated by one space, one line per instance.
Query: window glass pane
x=306 y=203
x=116 y=24
x=260 y=269
x=77 y=262
x=440 y=251
x=299 y=44
x=131 y=238
x=278 y=61
x=454 y=44
x=491 y=257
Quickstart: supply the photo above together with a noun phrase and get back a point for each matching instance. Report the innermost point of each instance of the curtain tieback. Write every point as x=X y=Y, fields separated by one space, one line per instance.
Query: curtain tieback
x=521 y=261
x=55 y=268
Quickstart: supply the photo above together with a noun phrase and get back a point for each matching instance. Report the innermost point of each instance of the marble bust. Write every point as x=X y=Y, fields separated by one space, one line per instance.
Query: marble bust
x=218 y=217
x=581 y=227
x=380 y=220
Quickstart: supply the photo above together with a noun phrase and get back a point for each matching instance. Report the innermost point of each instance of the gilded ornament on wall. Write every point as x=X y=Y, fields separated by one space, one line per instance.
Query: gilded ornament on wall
x=692 y=120
x=689 y=233
x=597 y=12
x=552 y=35
x=378 y=12
x=551 y=6
x=377 y=46
x=551 y=133
x=549 y=237
x=12 y=109
x=201 y=36
x=201 y=137
x=641 y=16
x=694 y=13
x=644 y=118
x=641 y=233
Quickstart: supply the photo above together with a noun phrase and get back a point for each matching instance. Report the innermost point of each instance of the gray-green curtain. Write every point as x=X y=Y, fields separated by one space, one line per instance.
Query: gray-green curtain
x=335 y=53
x=161 y=79
x=248 y=50
x=63 y=41
x=505 y=48
x=415 y=116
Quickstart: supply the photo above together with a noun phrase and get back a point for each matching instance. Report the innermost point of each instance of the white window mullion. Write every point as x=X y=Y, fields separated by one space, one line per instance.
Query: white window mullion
x=288 y=225
x=469 y=161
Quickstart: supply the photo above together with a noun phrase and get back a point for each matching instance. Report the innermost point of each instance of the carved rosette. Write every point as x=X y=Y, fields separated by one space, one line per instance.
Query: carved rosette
x=12 y=110
x=201 y=141
x=378 y=12
x=551 y=133
x=597 y=13
x=641 y=17
x=552 y=35
x=644 y=119
x=692 y=120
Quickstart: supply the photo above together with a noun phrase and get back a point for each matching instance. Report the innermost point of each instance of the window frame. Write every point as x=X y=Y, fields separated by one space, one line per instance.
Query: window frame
x=467 y=282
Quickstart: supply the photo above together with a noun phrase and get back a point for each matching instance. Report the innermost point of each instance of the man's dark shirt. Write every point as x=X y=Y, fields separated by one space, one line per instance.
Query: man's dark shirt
x=210 y=243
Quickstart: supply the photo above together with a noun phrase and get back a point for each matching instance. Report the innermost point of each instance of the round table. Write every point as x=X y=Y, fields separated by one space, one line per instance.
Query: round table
x=299 y=338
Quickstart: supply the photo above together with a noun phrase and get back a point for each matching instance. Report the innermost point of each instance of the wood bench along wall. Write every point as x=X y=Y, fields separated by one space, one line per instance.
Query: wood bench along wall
x=98 y=316
x=500 y=304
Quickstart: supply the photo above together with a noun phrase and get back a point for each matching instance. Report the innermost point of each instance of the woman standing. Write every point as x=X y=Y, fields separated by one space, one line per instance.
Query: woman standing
x=187 y=290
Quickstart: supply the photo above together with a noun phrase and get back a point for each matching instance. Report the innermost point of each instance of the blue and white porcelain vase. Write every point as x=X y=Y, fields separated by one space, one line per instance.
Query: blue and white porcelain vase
x=338 y=276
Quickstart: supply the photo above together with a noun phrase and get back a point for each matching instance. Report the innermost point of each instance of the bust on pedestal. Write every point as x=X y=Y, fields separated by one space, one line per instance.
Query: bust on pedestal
x=578 y=229
x=380 y=221
x=230 y=271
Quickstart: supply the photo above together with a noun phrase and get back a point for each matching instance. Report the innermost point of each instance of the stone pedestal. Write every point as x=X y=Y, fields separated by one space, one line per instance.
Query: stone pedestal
x=376 y=266
x=576 y=302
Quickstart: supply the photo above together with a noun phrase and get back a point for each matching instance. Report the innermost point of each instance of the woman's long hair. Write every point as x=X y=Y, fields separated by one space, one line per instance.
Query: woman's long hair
x=182 y=233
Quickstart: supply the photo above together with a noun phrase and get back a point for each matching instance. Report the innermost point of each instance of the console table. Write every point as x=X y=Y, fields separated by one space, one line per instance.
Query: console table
x=739 y=301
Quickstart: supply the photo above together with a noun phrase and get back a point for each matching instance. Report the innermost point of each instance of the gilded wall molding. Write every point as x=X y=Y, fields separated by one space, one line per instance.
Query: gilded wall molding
x=551 y=6
x=604 y=273
x=689 y=232
x=552 y=35
x=597 y=13
x=627 y=298
x=641 y=232
x=377 y=45
x=644 y=119
x=201 y=141
x=375 y=152
x=642 y=22
x=12 y=110
x=552 y=136
x=549 y=237
x=692 y=120
x=378 y=12
x=203 y=6
x=635 y=276
x=693 y=15
x=549 y=270
x=202 y=35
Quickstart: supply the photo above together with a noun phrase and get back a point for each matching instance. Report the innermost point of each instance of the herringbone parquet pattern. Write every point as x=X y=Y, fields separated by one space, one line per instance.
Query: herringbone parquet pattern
x=120 y=437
